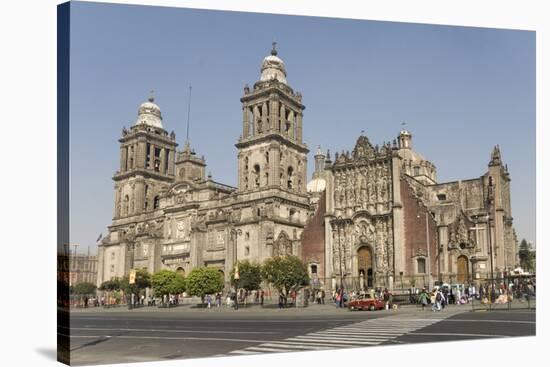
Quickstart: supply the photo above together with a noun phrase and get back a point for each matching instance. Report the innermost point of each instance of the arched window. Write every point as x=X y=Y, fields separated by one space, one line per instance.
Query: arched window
x=156 y=202
x=313 y=269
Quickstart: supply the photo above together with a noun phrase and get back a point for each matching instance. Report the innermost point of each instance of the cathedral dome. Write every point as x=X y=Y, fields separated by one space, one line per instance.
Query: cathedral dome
x=316 y=185
x=149 y=114
x=273 y=67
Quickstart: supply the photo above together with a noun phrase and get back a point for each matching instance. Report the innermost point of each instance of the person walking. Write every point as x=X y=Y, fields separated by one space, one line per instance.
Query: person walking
x=262 y=298
x=423 y=298
x=209 y=301
x=386 y=296
x=436 y=300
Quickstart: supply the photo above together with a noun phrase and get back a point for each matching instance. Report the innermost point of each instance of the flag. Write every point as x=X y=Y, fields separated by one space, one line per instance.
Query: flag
x=99 y=237
x=132 y=277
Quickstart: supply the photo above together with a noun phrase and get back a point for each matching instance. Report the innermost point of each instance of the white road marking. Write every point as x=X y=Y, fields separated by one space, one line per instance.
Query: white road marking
x=358 y=335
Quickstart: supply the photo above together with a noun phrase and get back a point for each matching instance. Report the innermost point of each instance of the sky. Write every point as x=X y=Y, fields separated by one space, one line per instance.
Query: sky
x=459 y=90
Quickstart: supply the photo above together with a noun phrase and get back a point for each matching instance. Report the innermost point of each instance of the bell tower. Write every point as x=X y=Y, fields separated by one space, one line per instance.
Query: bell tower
x=271 y=153
x=147 y=154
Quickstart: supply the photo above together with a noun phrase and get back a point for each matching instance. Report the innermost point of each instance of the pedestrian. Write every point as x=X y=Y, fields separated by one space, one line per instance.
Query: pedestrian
x=436 y=300
x=323 y=296
x=218 y=300
x=261 y=298
x=386 y=296
x=209 y=300
x=337 y=298
x=280 y=301
x=423 y=298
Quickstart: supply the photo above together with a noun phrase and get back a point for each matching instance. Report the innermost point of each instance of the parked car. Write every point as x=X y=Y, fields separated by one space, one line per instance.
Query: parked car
x=366 y=302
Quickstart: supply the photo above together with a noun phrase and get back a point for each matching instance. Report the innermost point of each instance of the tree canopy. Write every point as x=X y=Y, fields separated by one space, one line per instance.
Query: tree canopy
x=202 y=281
x=167 y=282
x=143 y=280
x=112 y=284
x=285 y=273
x=250 y=275
x=84 y=288
x=527 y=258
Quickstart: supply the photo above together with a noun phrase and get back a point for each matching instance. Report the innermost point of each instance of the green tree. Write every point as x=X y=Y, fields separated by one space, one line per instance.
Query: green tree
x=527 y=258
x=285 y=273
x=143 y=280
x=250 y=275
x=178 y=284
x=84 y=288
x=110 y=285
x=167 y=282
x=202 y=281
x=161 y=282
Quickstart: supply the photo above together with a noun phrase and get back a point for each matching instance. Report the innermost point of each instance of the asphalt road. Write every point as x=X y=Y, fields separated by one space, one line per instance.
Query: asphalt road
x=114 y=336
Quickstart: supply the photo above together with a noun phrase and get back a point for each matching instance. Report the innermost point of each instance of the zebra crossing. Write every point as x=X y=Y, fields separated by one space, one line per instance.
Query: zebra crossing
x=357 y=335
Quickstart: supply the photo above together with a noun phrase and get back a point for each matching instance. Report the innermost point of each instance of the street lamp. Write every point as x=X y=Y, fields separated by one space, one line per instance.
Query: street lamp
x=236 y=276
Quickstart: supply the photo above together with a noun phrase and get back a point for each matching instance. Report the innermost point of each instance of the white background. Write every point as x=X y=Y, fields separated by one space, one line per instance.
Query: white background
x=28 y=178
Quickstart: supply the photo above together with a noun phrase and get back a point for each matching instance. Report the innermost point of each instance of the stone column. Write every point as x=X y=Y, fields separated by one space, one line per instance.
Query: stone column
x=274 y=113
x=140 y=196
x=398 y=217
x=117 y=201
x=123 y=158
x=265 y=126
x=151 y=156
x=299 y=127
x=171 y=162
x=100 y=265
x=246 y=122
x=141 y=154
x=292 y=126
x=282 y=119
x=275 y=158
x=162 y=160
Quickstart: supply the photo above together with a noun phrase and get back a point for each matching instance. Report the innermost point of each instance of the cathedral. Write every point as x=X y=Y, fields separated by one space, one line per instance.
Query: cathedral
x=374 y=217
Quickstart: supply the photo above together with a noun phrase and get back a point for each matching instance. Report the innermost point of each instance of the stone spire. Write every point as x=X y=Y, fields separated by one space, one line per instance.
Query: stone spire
x=319 y=161
x=495 y=157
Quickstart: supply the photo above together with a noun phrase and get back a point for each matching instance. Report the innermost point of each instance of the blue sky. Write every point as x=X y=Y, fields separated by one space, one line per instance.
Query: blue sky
x=460 y=91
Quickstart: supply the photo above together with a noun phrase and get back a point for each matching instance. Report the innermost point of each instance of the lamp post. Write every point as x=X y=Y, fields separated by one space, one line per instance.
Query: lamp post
x=236 y=276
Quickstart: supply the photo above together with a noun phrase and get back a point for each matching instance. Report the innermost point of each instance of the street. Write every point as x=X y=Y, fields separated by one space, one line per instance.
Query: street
x=118 y=335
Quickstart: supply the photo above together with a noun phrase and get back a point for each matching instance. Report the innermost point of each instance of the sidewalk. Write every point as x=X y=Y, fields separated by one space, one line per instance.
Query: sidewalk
x=312 y=309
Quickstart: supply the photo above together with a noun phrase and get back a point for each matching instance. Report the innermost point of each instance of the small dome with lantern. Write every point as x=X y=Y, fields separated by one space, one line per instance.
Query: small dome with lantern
x=273 y=67
x=149 y=114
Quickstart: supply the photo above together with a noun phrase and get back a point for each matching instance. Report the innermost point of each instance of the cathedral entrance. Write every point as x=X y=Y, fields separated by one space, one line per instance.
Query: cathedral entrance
x=364 y=266
x=462 y=273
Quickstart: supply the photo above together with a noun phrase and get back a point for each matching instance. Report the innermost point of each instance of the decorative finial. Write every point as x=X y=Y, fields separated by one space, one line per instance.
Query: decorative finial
x=362 y=132
x=151 y=96
x=274 y=50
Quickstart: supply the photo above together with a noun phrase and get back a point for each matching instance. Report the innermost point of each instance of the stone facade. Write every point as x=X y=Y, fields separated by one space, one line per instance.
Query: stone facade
x=369 y=218
x=169 y=215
